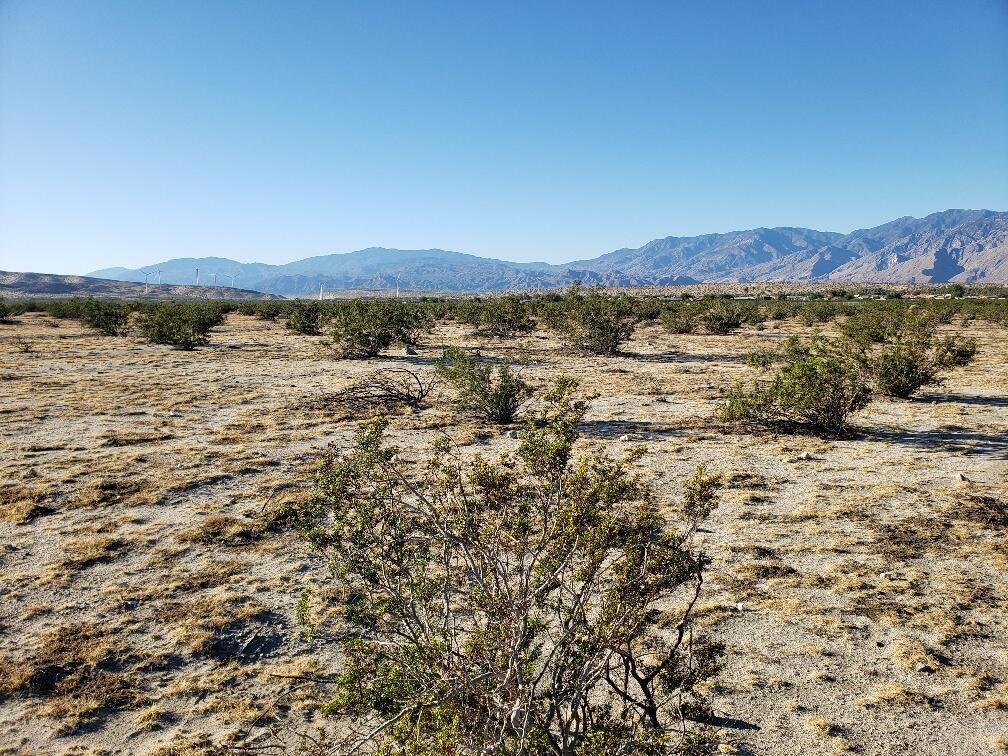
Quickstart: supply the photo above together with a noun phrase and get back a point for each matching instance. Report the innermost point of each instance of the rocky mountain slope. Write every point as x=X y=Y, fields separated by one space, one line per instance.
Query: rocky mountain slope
x=967 y=246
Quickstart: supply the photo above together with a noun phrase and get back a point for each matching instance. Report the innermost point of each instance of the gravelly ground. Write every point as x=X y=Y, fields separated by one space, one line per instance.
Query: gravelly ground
x=856 y=582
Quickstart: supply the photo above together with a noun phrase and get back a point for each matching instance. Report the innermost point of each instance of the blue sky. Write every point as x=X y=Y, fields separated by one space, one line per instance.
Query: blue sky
x=134 y=131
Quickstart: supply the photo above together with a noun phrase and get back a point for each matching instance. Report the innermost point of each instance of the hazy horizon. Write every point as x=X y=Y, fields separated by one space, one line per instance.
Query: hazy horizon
x=137 y=133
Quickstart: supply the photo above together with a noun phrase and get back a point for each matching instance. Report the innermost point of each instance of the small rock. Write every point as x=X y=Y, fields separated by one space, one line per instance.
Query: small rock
x=805 y=457
x=409 y=351
x=921 y=667
x=962 y=478
x=626 y=437
x=740 y=607
x=512 y=434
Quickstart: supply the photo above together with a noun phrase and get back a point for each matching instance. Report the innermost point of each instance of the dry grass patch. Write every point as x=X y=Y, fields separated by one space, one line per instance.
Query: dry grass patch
x=76 y=672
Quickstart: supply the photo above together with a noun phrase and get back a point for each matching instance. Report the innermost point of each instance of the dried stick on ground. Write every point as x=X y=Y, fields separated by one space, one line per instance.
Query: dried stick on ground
x=386 y=388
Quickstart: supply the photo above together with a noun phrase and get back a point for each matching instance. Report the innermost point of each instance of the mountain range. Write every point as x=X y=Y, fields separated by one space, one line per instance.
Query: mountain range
x=965 y=246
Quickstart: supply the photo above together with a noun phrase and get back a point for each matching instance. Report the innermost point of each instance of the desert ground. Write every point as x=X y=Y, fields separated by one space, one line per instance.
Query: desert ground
x=148 y=594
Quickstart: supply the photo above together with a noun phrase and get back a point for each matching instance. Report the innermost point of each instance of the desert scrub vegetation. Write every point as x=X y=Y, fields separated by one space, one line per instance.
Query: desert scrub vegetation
x=534 y=604
x=816 y=386
x=362 y=329
x=593 y=322
x=105 y=316
x=901 y=351
x=503 y=318
x=483 y=390
x=5 y=312
x=305 y=317
x=183 y=325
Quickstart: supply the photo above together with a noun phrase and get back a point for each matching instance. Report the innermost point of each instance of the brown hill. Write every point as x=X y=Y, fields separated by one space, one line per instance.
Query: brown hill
x=25 y=285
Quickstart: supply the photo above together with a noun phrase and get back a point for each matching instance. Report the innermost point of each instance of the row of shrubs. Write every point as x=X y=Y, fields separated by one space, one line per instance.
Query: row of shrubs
x=590 y=321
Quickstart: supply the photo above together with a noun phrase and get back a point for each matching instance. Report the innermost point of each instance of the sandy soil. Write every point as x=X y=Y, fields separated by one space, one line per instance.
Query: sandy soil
x=147 y=601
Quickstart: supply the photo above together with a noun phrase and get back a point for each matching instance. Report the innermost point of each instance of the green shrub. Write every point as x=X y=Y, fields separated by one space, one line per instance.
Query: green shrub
x=5 y=312
x=817 y=386
x=721 y=318
x=362 y=329
x=518 y=602
x=679 y=317
x=409 y=320
x=486 y=393
x=900 y=350
x=268 y=309
x=184 y=325
x=955 y=351
x=593 y=322
x=305 y=317
x=110 y=318
x=63 y=309
x=504 y=317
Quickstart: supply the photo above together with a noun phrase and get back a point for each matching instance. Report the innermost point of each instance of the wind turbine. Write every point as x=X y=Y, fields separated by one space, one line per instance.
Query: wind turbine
x=159 y=277
x=197 y=276
x=146 y=276
x=320 y=287
x=233 y=277
x=397 y=285
x=214 y=279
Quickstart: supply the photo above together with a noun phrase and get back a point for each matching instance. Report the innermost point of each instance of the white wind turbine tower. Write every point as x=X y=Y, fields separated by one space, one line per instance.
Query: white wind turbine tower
x=146 y=276
x=214 y=279
x=233 y=277
x=197 y=276
x=159 y=277
x=321 y=286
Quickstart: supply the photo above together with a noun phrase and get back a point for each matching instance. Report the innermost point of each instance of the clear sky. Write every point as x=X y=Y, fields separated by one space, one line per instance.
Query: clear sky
x=136 y=131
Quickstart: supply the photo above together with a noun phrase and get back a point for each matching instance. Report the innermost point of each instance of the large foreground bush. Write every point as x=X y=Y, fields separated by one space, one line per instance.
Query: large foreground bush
x=184 y=325
x=815 y=386
x=529 y=605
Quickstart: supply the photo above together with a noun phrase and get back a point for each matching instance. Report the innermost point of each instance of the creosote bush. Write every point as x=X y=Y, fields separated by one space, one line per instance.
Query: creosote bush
x=305 y=317
x=504 y=317
x=183 y=325
x=816 y=386
x=536 y=604
x=5 y=312
x=365 y=328
x=495 y=395
x=901 y=352
x=593 y=322
x=107 y=317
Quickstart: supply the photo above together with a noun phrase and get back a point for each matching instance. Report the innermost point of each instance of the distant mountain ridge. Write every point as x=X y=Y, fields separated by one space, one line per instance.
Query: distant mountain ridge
x=964 y=246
